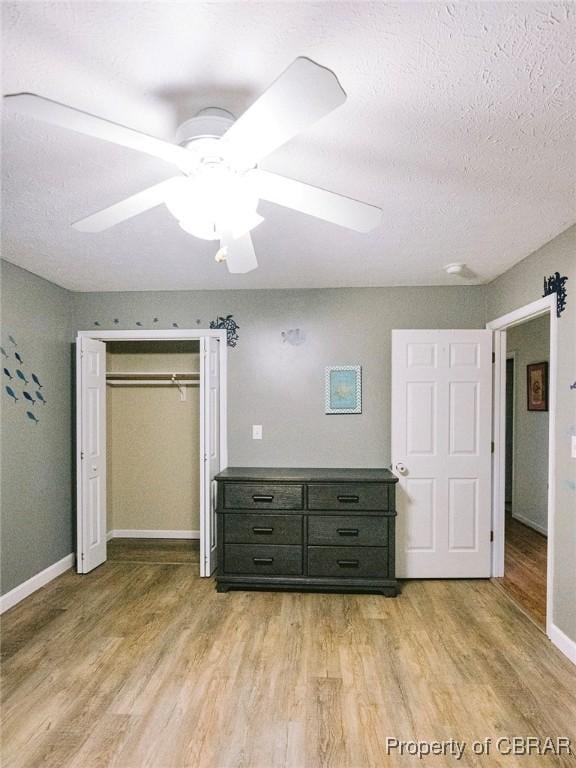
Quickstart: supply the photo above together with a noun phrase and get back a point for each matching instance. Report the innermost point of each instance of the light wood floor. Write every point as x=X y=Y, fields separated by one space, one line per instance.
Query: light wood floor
x=524 y=580
x=143 y=665
x=160 y=551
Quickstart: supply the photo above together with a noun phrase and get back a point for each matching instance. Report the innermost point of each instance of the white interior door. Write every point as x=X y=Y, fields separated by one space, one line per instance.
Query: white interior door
x=91 y=395
x=441 y=451
x=209 y=450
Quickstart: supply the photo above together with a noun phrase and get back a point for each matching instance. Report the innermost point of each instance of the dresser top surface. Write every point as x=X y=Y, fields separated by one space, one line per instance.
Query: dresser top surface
x=306 y=475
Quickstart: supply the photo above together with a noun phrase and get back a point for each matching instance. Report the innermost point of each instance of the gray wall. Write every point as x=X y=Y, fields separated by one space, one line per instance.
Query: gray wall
x=531 y=344
x=271 y=383
x=36 y=457
x=517 y=287
x=282 y=386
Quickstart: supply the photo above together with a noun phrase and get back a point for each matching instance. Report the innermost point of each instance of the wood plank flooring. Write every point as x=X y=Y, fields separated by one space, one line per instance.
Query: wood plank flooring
x=167 y=551
x=524 y=578
x=144 y=665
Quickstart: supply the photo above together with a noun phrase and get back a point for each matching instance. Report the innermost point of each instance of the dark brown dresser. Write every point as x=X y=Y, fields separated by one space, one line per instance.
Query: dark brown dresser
x=306 y=529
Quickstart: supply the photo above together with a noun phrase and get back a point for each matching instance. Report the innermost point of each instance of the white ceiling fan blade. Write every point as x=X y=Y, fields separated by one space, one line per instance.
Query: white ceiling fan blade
x=125 y=209
x=302 y=94
x=240 y=255
x=55 y=113
x=344 y=211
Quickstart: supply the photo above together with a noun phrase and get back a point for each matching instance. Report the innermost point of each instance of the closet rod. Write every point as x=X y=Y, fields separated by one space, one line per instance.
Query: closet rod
x=152 y=375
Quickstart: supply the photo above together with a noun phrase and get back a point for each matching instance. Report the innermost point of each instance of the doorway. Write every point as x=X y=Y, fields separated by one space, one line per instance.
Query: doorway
x=526 y=463
x=524 y=492
x=138 y=394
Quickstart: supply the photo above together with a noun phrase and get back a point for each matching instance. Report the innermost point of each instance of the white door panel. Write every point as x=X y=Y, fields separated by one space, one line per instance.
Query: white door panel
x=91 y=393
x=210 y=450
x=441 y=436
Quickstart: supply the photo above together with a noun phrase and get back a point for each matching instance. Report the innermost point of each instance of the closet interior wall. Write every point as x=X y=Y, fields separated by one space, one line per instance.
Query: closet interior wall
x=153 y=440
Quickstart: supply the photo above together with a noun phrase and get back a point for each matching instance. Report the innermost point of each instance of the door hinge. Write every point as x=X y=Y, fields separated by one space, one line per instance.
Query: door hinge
x=493 y=357
x=81 y=455
x=492 y=447
x=491 y=535
x=82 y=556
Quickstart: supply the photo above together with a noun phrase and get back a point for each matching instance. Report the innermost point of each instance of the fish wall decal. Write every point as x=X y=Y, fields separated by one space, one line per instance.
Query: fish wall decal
x=36 y=381
x=21 y=376
x=32 y=417
x=3 y=351
x=17 y=356
x=11 y=338
x=7 y=372
x=40 y=396
x=28 y=396
x=11 y=393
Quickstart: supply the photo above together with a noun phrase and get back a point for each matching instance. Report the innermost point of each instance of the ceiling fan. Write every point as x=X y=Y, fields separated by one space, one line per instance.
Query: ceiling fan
x=216 y=195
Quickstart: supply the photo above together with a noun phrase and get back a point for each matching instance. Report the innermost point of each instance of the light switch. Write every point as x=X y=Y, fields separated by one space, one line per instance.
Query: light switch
x=574 y=446
x=256 y=431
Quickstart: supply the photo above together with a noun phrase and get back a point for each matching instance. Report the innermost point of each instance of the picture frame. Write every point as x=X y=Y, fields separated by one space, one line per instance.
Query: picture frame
x=537 y=386
x=343 y=389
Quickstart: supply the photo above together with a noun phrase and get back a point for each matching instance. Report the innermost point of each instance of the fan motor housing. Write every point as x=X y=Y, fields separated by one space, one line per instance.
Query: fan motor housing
x=210 y=123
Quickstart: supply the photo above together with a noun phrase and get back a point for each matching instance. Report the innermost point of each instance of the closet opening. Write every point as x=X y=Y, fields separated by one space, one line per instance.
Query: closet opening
x=153 y=450
x=151 y=435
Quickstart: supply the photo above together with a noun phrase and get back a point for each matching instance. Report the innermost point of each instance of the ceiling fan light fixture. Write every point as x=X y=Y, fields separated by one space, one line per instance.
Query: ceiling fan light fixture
x=214 y=198
x=220 y=186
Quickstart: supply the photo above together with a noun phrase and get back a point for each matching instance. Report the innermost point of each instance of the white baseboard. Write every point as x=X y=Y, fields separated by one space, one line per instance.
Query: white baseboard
x=18 y=594
x=135 y=533
x=530 y=524
x=563 y=643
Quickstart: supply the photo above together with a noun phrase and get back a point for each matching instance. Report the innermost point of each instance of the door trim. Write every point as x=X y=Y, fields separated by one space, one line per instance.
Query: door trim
x=179 y=334
x=512 y=356
x=499 y=326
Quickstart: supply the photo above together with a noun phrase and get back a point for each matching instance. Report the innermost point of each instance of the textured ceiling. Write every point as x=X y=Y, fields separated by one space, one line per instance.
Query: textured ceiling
x=459 y=123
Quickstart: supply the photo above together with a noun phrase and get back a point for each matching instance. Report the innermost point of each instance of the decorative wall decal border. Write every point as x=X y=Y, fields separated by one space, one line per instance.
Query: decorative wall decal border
x=20 y=378
x=230 y=326
x=556 y=284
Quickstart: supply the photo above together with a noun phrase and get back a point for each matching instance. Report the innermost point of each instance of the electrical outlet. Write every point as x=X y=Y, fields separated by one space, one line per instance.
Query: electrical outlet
x=256 y=431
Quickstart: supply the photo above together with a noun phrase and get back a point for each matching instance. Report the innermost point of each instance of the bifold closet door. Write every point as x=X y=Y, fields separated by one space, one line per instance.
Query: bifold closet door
x=91 y=426
x=209 y=450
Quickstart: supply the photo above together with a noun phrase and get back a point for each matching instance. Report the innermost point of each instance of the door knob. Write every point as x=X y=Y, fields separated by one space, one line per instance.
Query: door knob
x=400 y=467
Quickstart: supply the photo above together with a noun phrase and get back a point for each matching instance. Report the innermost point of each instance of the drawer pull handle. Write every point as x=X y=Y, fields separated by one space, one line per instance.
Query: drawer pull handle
x=256 y=529
x=262 y=560
x=347 y=531
x=262 y=497
x=348 y=563
x=344 y=499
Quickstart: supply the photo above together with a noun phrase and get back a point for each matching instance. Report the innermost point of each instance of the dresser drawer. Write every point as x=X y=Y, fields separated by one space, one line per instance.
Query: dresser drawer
x=249 y=528
x=348 y=562
x=262 y=496
x=349 y=496
x=270 y=559
x=355 y=530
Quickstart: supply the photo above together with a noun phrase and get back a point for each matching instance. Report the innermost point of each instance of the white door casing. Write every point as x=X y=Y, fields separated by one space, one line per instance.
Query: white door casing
x=441 y=451
x=209 y=450
x=91 y=408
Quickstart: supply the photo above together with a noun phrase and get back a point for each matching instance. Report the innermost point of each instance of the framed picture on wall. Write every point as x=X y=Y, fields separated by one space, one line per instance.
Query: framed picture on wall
x=343 y=389
x=537 y=386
